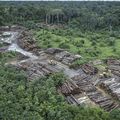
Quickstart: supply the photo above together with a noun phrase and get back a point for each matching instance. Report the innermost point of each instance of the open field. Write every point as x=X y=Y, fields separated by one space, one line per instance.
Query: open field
x=89 y=45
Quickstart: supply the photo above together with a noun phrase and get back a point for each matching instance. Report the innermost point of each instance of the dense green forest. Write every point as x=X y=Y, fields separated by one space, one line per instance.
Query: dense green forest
x=91 y=29
x=84 y=15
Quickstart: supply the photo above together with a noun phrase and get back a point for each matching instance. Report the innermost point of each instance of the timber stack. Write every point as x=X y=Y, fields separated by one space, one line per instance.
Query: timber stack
x=114 y=66
x=112 y=86
x=115 y=69
x=94 y=94
x=27 y=42
x=113 y=61
x=63 y=56
x=36 y=69
x=68 y=88
x=53 y=51
x=72 y=100
x=89 y=69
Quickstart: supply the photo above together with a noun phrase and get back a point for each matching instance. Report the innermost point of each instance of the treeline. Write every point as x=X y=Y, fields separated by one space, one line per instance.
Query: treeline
x=84 y=15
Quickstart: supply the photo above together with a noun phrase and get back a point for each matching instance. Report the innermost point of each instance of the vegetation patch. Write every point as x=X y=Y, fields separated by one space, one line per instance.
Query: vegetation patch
x=7 y=56
x=89 y=45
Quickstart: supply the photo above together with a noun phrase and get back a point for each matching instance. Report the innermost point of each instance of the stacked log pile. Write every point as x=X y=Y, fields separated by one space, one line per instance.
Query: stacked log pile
x=113 y=62
x=40 y=70
x=83 y=82
x=72 y=100
x=84 y=100
x=27 y=42
x=68 y=88
x=66 y=57
x=37 y=69
x=94 y=94
x=69 y=59
x=112 y=86
x=114 y=66
x=115 y=69
x=53 y=51
x=73 y=93
x=103 y=101
x=62 y=55
x=89 y=69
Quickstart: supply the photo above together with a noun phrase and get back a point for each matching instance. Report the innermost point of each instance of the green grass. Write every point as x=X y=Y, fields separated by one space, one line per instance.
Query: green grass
x=4 y=57
x=96 y=45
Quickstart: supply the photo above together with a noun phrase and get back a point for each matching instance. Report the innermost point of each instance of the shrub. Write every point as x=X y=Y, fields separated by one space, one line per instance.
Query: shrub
x=64 y=46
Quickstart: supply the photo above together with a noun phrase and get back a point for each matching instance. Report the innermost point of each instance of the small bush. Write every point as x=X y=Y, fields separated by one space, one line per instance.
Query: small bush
x=64 y=46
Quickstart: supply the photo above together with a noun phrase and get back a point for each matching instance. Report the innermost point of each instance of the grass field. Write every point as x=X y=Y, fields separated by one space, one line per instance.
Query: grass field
x=90 y=45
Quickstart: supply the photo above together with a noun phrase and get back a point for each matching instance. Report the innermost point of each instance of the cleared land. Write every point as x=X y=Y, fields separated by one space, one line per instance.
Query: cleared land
x=90 y=45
